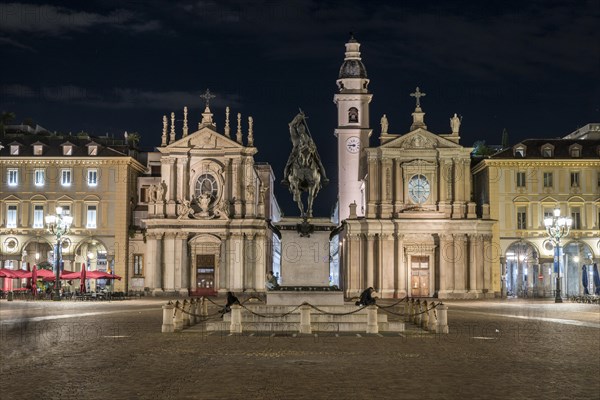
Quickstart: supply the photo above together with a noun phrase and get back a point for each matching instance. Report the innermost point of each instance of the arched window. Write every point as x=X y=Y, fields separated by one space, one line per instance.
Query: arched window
x=353 y=115
x=207 y=185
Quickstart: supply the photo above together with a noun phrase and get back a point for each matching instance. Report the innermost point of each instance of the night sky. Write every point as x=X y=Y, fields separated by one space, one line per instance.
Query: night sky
x=531 y=67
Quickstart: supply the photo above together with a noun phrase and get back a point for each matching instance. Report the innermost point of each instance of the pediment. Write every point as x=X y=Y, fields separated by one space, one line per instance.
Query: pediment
x=205 y=138
x=420 y=139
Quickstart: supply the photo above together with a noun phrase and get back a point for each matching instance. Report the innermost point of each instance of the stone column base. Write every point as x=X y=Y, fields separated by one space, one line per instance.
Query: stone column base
x=157 y=292
x=184 y=292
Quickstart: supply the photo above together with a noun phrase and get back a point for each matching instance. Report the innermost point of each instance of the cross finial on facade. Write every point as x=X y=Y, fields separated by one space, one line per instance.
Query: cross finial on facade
x=418 y=94
x=207 y=96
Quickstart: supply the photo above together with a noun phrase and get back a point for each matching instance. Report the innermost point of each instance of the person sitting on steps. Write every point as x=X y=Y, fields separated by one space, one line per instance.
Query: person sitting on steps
x=231 y=300
x=366 y=299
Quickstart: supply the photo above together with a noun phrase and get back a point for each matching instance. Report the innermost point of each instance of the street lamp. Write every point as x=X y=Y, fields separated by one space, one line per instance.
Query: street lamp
x=58 y=225
x=557 y=227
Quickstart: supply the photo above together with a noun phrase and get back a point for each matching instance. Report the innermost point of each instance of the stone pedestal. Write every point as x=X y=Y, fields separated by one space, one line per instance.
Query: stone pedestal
x=305 y=264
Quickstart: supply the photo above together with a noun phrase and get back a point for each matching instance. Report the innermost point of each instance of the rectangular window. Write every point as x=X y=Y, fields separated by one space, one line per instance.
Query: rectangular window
x=548 y=179
x=521 y=218
x=38 y=216
x=65 y=177
x=155 y=170
x=66 y=209
x=13 y=177
x=548 y=213
x=14 y=150
x=547 y=152
x=92 y=177
x=576 y=217
x=67 y=150
x=144 y=194
x=11 y=216
x=39 y=177
x=574 y=179
x=521 y=179
x=138 y=264
x=93 y=150
x=37 y=150
x=91 y=217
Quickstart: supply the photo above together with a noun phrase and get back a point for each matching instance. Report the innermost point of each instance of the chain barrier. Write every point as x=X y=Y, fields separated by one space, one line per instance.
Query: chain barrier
x=203 y=317
x=405 y=298
x=402 y=314
x=330 y=313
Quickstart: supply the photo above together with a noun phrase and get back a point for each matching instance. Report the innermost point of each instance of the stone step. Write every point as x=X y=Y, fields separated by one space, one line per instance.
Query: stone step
x=394 y=326
x=315 y=318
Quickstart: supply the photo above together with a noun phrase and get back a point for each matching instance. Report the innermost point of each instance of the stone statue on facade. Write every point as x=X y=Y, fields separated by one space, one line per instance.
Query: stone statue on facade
x=304 y=171
x=160 y=192
x=384 y=124
x=204 y=203
x=185 y=209
x=455 y=122
x=152 y=194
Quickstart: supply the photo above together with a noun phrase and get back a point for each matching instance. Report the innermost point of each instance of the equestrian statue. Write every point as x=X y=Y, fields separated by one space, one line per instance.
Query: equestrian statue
x=304 y=171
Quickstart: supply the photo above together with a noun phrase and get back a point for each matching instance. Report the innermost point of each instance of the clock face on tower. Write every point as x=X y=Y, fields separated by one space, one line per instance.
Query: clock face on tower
x=353 y=144
x=419 y=189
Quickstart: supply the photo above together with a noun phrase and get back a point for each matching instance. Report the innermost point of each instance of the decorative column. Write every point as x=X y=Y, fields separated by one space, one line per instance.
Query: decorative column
x=401 y=286
x=387 y=266
x=169 y=262
x=487 y=268
x=260 y=257
x=154 y=263
x=354 y=266
x=370 y=255
x=398 y=184
x=372 y=189
x=386 y=188
x=446 y=265
x=460 y=255
x=182 y=270
x=480 y=265
x=235 y=184
x=472 y=262
x=458 y=200
x=235 y=261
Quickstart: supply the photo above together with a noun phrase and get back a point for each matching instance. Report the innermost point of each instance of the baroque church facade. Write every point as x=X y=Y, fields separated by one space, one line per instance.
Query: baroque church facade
x=410 y=225
x=207 y=214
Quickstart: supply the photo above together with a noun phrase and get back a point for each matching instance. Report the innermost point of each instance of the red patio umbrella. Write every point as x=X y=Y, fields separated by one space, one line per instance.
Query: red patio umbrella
x=82 y=277
x=34 y=280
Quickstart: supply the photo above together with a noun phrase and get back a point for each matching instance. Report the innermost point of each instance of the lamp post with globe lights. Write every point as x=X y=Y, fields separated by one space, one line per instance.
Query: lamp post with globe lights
x=557 y=227
x=58 y=225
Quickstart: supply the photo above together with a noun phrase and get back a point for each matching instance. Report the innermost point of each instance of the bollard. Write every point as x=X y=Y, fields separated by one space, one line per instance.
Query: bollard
x=184 y=313
x=197 y=310
x=236 y=319
x=167 y=325
x=204 y=312
x=425 y=317
x=432 y=319
x=305 y=319
x=372 y=326
x=417 y=317
x=408 y=316
x=9 y=297
x=178 y=317
x=442 y=312
x=191 y=311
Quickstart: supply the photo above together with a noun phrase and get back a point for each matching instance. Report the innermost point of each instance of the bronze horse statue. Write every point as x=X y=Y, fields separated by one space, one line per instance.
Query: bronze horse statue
x=304 y=171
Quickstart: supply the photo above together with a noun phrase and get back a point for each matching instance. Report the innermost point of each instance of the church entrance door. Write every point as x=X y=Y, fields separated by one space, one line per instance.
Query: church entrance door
x=205 y=275
x=419 y=276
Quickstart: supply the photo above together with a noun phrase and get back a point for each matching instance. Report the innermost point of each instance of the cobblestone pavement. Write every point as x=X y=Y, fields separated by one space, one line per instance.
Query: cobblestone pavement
x=495 y=350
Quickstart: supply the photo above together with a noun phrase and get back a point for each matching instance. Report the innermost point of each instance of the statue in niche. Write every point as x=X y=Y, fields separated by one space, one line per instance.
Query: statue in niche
x=304 y=171
x=160 y=192
x=151 y=194
x=250 y=193
x=262 y=191
x=384 y=124
x=455 y=122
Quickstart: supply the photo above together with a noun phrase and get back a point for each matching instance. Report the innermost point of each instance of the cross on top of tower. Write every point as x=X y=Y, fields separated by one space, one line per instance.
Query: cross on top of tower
x=207 y=96
x=418 y=94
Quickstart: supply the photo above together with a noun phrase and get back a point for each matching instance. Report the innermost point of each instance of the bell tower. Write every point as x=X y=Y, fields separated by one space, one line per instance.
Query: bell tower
x=352 y=130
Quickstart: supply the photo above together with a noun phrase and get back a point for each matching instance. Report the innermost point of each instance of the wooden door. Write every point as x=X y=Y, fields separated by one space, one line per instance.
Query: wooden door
x=205 y=275
x=419 y=276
